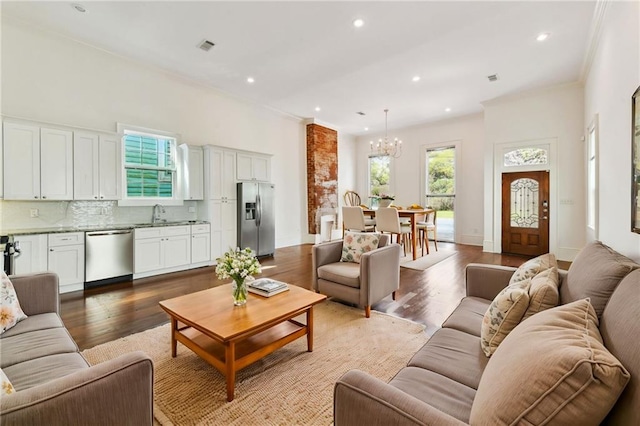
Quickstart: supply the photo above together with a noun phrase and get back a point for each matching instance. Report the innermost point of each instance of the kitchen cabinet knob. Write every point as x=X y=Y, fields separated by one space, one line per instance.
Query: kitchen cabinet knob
x=50 y=249
x=35 y=196
x=95 y=198
x=43 y=197
x=101 y=197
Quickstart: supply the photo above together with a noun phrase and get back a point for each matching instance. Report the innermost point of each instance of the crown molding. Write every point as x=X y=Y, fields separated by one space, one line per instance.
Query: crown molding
x=595 y=31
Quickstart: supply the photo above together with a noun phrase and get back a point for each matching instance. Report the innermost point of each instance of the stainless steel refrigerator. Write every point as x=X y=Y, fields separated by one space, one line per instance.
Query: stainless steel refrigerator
x=256 y=217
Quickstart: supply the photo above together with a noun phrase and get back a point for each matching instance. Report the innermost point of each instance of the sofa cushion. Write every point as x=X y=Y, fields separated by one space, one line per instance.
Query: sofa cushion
x=468 y=315
x=41 y=370
x=533 y=267
x=595 y=273
x=33 y=323
x=620 y=328
x=36 y=344
x=345 y=273
x=10 y=311
x=576 y=379
x=504 y=314
x=543 y=293
x=436 y=390
x=6 y=387
x=453 y=354
x=355 y=244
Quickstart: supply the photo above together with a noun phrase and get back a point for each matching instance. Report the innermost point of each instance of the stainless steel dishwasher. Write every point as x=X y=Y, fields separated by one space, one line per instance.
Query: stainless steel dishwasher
x=108 y=257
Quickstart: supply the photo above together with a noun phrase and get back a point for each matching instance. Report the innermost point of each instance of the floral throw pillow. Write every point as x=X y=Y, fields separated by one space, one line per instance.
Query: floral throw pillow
x=357 y=243
x=543 y=293
x=10 y=311
x=7 y=387
x=533 y=267
x=503 y=315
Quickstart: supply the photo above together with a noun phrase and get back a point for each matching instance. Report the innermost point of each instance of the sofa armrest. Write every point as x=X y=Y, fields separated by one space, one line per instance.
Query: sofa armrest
x=323 y=254
x=486 y=281
x=360 y=399
x=37 y=293
x=379 y=273
x=115 y=392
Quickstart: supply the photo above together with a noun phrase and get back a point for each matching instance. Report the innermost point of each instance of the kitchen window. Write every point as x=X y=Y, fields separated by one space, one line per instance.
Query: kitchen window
x=150 y=166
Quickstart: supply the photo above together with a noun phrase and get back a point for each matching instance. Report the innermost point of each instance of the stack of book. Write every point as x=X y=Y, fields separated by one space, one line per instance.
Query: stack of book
x=267 y=287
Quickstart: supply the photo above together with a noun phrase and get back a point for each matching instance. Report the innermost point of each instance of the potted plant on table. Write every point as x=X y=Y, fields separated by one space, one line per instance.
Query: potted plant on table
x=239 y=265
x=386 y=200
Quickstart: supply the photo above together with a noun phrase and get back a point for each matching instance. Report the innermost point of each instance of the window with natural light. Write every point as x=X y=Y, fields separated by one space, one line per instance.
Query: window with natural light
x=379 y=175
x=150 y=165
x=526 y=157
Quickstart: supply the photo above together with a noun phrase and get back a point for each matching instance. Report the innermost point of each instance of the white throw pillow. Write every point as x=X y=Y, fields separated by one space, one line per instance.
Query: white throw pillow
x=10 y=311
x=503 y=315
x=7 y=387
x=355 y=244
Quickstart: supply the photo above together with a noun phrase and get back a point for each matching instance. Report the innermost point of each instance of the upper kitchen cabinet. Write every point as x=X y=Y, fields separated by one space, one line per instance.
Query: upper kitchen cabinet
x=254 y=167
x=194 y=172
x=220 y=173
x=96 y=166
x=38 y=163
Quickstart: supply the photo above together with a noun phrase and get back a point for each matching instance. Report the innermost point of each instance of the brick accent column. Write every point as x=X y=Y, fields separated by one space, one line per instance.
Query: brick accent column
x=322 y=174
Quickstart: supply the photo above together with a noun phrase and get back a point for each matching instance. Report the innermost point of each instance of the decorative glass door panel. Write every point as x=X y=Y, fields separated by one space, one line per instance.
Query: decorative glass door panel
x=524 y=203
x=525 y=213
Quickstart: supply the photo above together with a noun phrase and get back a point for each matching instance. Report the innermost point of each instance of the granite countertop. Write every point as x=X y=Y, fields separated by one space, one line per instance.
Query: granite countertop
x=90 y=228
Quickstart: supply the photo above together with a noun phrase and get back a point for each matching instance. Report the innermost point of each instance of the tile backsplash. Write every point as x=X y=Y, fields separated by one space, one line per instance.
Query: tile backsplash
x=52 y=214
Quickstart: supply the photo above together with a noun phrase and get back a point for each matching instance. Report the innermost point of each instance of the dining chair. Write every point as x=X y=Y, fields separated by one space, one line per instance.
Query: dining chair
x=353 y=220
x=351 y=198
x=426 y=227
x=388 y=220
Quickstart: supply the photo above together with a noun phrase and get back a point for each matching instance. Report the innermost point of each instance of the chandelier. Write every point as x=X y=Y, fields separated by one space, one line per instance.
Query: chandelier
x=385 y=146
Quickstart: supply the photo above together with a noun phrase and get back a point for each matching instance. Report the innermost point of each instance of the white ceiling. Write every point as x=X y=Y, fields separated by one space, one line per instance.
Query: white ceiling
x=304 y=54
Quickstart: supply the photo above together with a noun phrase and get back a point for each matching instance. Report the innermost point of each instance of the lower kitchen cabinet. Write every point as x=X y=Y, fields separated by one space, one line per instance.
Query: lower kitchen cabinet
x=66 y=258
x=201 y=244
x=162 y=249
x=33 y=256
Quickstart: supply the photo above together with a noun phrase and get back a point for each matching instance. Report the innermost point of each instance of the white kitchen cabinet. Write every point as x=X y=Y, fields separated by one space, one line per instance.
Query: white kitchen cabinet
x=223 y=226
x=1 y=164
x=96 y=166
x=33 y=256
x=161 y=249
x=194 y=170
x=66 y=258
x=200 y=244
x=220 y=173
x=38 y=163
x=253 y=167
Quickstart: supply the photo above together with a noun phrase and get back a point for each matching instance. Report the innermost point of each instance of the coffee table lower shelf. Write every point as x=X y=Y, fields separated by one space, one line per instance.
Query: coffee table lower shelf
x=232 y=356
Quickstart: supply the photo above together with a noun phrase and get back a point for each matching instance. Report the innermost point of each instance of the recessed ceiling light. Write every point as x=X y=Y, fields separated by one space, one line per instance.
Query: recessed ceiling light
x=542 y=36
x=447 y=109
x=366 y=128
x=317 y=108
x=80 y=8
x=358 y=23
x=250 y=80
x=416 y=78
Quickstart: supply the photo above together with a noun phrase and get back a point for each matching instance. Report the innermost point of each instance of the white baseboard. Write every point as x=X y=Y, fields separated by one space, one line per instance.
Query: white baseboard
x=471 y=240
x=567 y=253
x=487 y=245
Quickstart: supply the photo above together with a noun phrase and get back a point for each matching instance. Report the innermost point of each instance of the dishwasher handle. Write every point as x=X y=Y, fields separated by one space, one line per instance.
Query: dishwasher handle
x=104 y=233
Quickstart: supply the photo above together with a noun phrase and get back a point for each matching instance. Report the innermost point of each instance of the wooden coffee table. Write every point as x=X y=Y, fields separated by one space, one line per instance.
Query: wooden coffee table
x=231 y=337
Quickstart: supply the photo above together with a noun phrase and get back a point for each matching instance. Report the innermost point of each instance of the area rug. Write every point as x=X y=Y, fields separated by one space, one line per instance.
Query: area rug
x=289 y=386
x=425 y=261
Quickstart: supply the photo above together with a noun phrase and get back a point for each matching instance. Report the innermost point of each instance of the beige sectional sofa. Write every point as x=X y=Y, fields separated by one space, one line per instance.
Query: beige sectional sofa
x=441 y=385
x=54 y=384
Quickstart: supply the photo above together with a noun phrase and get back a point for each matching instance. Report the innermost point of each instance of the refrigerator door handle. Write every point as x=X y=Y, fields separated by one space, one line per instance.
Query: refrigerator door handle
x=258 y=210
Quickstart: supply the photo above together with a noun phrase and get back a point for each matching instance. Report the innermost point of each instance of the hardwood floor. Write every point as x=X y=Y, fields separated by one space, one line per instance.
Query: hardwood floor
x=99 y=315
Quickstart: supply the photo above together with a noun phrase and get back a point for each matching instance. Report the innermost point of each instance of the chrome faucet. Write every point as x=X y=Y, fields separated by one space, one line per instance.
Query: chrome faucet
x=157 y=210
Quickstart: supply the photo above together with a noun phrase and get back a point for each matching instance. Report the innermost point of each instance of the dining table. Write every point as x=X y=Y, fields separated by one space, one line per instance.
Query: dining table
x=413 y=215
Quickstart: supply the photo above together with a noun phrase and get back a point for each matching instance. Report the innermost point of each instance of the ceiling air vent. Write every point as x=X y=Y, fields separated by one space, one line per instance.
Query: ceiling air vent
x=206 y=45
x=493 y=77
x=360 y=113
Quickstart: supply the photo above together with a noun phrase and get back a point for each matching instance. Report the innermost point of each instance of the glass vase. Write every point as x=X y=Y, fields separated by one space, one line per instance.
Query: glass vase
x=239 y=292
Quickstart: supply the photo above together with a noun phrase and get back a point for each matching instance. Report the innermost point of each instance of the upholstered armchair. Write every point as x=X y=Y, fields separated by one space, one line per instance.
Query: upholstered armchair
x=365 y=283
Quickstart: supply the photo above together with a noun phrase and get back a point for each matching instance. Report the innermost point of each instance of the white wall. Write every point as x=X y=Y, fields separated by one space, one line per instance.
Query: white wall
x=46 y=77
x=408 y=170
x=613 y=77
x=553 y=113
